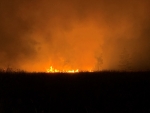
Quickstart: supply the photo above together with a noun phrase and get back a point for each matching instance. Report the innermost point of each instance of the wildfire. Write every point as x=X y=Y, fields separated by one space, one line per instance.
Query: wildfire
x=53 y=70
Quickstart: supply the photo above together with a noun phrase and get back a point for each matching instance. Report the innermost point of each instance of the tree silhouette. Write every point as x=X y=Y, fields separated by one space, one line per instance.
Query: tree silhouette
x=125 y=60
x=99 y=62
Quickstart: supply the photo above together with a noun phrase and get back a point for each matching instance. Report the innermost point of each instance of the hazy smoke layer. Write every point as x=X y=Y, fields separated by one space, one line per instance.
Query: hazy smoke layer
x=75 y=34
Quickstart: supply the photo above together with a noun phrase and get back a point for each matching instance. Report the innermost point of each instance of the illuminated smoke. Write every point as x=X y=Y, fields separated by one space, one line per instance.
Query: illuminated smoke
x=74 y=34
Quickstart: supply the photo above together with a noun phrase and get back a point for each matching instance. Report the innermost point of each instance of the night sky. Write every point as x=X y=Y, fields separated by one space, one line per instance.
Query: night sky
x=75 y=34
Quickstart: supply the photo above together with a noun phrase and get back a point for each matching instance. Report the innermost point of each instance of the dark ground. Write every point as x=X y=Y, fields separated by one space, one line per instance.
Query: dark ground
x=101 y=92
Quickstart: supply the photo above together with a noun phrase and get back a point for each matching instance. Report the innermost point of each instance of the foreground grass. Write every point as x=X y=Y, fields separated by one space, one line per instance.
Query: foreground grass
x=96 y=92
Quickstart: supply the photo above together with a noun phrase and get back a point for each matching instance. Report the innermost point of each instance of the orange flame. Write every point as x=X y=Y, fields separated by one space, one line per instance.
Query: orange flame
x=53 y=70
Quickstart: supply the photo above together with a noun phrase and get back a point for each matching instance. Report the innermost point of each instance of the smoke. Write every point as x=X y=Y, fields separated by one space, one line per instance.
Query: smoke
x=75 y=34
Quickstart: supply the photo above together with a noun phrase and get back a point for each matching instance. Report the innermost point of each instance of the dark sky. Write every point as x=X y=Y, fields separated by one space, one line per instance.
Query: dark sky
x=75 y=34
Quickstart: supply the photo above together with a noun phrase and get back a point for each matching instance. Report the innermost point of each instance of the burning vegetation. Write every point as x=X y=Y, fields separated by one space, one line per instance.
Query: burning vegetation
x=53 y=70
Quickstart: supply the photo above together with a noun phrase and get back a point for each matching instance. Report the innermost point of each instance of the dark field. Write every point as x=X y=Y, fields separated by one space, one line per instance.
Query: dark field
x=99 y=92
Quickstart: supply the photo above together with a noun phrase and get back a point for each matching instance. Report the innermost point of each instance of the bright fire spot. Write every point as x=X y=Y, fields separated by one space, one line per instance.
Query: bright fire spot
x=53 y=70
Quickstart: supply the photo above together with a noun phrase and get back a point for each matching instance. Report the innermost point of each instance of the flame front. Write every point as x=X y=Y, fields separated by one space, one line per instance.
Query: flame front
x=53 y=70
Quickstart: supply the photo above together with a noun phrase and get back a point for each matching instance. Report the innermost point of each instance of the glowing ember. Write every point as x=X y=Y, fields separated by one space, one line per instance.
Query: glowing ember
x=53 y=70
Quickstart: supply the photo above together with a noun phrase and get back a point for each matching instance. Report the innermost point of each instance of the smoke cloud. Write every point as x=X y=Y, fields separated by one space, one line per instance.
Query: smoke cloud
x=75 y=34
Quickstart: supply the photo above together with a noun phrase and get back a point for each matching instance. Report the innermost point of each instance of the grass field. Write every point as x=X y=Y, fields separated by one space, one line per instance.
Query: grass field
x=96 y=92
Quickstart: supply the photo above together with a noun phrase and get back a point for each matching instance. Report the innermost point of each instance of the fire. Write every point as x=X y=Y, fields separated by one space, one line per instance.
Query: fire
x=53 y=70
